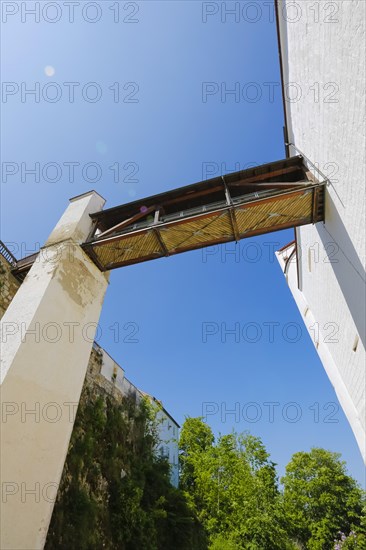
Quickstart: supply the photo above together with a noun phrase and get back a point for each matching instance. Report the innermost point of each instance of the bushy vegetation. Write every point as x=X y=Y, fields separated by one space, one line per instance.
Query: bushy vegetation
x=322 y=501
x=233 y=488
x=116 y=493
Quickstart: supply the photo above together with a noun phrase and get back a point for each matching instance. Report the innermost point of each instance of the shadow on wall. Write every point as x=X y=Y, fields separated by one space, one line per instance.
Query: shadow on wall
x=346 y=264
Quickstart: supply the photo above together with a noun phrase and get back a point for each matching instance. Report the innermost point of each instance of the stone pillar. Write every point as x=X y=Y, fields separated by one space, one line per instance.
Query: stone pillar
x=47 y=334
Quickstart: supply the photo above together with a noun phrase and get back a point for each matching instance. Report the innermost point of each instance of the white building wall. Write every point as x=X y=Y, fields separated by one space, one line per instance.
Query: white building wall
x=323 y=47
x=113 y=372
x=169 y=435
x=110 y=369
x=168 y=429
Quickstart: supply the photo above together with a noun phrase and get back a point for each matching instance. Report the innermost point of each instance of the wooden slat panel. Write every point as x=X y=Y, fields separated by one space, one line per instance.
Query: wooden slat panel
x=197 y=231
x=262 y=216
x=128 y=248
x=275 y=212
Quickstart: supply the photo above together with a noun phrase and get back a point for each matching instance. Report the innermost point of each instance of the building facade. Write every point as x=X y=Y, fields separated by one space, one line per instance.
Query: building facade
x=167 y=427
x=322 y=49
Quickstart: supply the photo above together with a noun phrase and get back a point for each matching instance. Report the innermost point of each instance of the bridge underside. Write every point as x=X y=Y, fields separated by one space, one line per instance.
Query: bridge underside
x=242 y=204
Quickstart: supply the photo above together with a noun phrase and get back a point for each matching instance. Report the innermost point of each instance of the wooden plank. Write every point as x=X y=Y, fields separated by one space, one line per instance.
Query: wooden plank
x=273 y=198
x=298 y=223
x=279 y=227
x=90 y=250
x=315 y=205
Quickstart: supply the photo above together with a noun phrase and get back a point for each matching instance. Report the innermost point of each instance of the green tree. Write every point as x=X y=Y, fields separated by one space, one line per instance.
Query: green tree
x=320 y=499
x=232 y=487
x=196 y=439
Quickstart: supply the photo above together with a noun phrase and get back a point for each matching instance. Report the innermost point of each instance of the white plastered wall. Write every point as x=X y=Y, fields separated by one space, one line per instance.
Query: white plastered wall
x=47 y=334
x=324 y=69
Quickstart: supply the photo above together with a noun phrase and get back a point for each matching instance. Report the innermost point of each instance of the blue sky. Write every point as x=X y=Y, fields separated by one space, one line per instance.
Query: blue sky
x=162 y=133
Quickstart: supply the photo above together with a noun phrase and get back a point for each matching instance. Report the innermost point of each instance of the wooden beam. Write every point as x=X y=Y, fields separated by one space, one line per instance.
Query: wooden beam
x=267 y=175
x=126 y=223
x=161 y=242
x=229 y=202
x=193 y=195
x=275 y=185
x=234 y=224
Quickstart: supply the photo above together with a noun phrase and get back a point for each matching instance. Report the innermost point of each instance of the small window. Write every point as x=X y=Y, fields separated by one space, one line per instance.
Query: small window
x=164 y=451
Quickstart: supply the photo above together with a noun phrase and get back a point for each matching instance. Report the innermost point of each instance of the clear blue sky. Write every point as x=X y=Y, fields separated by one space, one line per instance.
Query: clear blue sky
x=166 y=136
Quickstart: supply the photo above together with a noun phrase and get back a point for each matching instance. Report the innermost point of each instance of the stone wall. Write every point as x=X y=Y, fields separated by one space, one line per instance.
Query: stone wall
x=8 y=285
x=95 y=378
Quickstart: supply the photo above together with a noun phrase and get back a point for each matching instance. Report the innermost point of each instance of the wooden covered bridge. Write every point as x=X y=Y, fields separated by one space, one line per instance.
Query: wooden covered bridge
x=242 y=204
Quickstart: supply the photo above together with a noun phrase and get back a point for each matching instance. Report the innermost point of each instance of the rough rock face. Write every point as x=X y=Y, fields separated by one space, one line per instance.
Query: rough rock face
x=8 y=285
x=99 y=475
